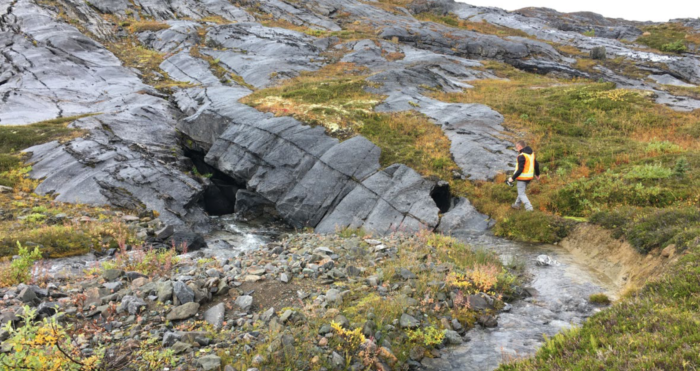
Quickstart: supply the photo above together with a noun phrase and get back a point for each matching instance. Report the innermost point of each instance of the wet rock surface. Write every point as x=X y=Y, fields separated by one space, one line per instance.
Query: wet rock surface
x=558 y=302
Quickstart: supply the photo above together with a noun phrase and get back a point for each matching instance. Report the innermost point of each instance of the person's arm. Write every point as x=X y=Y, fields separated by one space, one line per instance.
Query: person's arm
x=521 y=165
x=537 y=170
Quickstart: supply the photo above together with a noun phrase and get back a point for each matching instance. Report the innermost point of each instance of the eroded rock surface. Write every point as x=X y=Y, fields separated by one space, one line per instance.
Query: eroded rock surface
x=131 y=156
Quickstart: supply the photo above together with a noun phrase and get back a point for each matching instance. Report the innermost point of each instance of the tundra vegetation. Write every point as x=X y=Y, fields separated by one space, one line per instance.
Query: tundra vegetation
x=609 y=156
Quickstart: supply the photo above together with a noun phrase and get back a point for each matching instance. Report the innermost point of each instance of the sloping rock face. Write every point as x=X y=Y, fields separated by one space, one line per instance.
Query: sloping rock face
x=308 y=176
x=581 y=22
x=474 y=130
x=549 y=25
x=130 y=157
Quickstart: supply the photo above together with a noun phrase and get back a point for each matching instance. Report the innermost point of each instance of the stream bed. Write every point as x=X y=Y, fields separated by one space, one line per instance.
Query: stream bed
x=558 y=301
x=559 y=292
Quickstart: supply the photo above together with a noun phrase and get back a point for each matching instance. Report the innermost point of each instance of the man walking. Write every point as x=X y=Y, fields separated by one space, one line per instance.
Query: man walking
x=526 y=169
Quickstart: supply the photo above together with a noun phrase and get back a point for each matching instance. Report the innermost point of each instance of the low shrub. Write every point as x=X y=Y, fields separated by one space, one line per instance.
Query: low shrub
x=599 y=299
x=19 y=270
x=681 y=168
x=663 y=147
x=649 y=171
x=648 y=229
x=584 y=196
x=534 y=226
x=44 y=345
x=677 y=46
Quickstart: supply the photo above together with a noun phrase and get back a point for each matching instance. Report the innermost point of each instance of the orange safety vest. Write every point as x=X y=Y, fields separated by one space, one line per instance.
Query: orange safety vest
x=529 y=170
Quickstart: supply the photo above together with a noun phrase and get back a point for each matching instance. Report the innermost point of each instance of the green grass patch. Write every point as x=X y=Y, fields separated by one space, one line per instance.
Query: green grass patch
x=599 y=148
x=14 y=139
x=534 y=226
x=599 y=299
x=668 y=37
x=651 y=228
x=483 y=27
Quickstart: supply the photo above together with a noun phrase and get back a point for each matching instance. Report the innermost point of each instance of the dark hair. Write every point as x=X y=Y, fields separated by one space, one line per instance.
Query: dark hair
x=521 y=143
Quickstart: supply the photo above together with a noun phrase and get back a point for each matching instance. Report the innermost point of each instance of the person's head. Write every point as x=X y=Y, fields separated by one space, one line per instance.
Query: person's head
x=519 y=145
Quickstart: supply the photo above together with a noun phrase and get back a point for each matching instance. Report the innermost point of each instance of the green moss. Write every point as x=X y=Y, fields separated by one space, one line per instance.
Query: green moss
x=16 y=138
x=599 y=299
x=669 y=37
x=483 y=27
x=534 y=226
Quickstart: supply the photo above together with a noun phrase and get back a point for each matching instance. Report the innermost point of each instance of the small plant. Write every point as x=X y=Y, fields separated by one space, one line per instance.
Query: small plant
x=430 y=337
x=599 y=299
x=589 y=33
x=20 y=268
x=43 y=346
x=197 y=173
x=39 y=209
x=663 y=147
x=34 y=218
x=654 y=171
x=677 y=46
x=482 y=278
x=681 y=168
x=352 y=338
x=152 y=357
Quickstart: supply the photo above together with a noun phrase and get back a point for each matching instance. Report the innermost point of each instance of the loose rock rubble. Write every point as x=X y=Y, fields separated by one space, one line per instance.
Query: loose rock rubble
x=208 y=313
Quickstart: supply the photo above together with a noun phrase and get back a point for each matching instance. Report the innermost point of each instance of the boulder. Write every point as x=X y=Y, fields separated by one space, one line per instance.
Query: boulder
x=453 y=338
x=209 y=362
x=165 y=291
x=112 y=274
x=251 y=205
x=408 y=321
x=215 y=316
x=244 y=302
x=463 y=217
x=182 y=292
x=187 y=240
x=28 y=296
x=183 y=311
x=132 y=304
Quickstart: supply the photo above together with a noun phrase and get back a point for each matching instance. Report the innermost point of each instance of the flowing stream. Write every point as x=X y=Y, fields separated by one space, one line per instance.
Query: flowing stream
x=559 y=300
x=559 y=293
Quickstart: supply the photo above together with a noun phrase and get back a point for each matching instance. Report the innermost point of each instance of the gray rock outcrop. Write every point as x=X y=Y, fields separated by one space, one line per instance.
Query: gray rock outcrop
x=130 y=156
x=127 y=160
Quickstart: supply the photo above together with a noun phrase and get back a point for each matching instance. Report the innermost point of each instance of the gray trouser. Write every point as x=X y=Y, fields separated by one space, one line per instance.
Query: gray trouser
x=522 y=197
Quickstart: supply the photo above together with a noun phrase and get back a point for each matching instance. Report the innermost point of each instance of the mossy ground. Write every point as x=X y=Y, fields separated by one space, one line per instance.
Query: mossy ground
x=29 y=218
x=483 y=27
x=670 y=37
x=599 y=147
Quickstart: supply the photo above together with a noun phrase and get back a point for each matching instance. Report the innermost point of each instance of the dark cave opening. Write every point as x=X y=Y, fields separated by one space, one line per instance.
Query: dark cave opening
x=442 y=197
x=219 y=196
